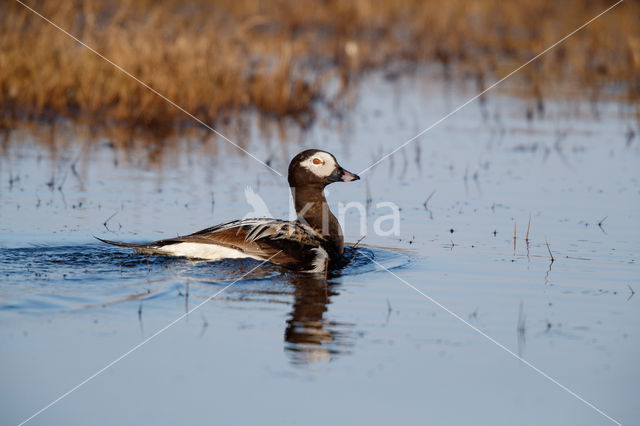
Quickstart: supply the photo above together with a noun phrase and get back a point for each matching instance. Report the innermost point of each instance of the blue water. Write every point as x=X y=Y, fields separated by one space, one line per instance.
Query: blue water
x=375 y=343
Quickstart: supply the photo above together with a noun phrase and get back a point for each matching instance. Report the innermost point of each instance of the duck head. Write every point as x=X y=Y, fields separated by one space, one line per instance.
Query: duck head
x=309 y=172
x=317 y=168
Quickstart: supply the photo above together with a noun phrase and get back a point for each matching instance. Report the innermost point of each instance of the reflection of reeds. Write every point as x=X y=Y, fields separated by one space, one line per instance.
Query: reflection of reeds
x=278 y=57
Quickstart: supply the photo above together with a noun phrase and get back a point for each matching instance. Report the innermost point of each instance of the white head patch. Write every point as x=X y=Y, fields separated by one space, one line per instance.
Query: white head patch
x=320 y=164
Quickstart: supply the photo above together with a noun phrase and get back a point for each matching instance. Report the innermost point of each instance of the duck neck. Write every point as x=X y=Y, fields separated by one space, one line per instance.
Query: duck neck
x=312 y=209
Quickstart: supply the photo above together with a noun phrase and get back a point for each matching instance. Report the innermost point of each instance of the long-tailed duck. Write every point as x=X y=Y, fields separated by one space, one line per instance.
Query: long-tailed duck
x=312 y=243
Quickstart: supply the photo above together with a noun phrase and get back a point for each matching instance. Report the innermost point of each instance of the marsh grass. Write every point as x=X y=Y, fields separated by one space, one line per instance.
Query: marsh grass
x=282 y=58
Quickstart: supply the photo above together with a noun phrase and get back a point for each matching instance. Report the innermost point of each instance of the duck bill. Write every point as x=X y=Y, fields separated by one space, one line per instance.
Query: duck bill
x=347 y=176
x=342 y=175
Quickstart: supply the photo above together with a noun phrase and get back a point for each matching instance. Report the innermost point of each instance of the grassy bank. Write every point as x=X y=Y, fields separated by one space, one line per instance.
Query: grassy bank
x=283 y=57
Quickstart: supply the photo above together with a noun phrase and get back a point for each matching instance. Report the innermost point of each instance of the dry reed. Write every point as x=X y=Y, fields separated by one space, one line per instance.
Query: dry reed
x=280 y=57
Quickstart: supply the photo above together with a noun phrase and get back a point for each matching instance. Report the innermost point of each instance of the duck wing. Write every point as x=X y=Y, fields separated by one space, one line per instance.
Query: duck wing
x=290 y=244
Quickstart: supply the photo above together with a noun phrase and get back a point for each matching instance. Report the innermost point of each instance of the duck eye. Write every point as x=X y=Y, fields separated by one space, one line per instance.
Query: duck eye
x=317 y=161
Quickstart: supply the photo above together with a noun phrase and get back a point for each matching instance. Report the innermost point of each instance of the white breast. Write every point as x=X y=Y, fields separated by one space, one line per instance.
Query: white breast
x=203 y=251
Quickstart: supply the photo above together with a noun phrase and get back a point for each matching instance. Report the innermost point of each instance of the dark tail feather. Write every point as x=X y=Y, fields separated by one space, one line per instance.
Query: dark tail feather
x=131 y=245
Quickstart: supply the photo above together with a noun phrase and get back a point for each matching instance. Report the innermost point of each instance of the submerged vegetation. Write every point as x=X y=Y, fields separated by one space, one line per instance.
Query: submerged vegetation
x=281 y=58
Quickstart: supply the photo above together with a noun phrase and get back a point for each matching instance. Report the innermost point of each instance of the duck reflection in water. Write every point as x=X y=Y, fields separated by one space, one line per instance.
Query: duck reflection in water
x=309 y=336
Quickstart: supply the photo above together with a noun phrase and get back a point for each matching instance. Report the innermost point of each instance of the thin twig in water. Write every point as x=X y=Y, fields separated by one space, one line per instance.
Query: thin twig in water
x=632 y=292
x=358 y=242
x=549 y=249
x=528 y=228
x=601 y=222
x=109 y=218
x=514 y=238
x=426 y=204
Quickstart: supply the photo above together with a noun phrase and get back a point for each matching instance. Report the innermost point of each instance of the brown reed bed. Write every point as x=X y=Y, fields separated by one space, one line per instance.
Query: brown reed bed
x=283 y=58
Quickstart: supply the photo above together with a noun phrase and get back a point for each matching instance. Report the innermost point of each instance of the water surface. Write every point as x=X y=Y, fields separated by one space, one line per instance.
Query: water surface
x=361 y=347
